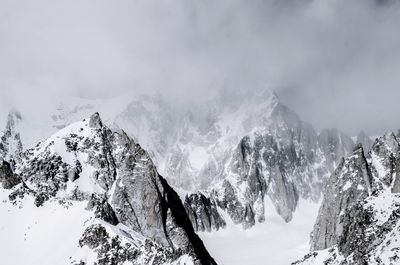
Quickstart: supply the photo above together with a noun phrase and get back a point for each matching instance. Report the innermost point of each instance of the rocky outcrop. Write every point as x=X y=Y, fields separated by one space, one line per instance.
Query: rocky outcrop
x=87 y=161
x=102 y=209
x=203 y=212
x=10 y=141
x=358 y=222
x=8 y=179
x=349 y=184
x=111 y=249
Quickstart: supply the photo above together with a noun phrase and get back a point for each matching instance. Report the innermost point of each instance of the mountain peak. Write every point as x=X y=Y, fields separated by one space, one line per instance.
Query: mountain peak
x=358 y=148
x=86 y=161
x=95 y=121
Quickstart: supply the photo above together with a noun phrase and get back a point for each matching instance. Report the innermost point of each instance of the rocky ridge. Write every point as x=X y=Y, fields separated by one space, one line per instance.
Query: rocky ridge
x=137 y=218
x=358 y=222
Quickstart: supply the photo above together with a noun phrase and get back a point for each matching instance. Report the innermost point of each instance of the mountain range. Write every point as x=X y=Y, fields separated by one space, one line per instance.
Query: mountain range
x=227 y=154
x=224 y=159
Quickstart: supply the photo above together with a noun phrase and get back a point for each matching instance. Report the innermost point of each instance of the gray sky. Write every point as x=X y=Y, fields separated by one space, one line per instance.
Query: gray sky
x=336 y=62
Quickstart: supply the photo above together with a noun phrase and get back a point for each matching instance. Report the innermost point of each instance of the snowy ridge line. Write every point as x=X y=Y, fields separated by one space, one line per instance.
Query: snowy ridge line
x=132 y=215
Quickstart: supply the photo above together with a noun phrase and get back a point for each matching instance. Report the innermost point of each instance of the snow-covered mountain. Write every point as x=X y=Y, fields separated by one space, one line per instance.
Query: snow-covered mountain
x=89 y=195
x=227 y=154
x=284 y=161
x=358 y=222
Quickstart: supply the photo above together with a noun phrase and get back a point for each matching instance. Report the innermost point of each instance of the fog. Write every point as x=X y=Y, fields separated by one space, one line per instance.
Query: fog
x=335 y=62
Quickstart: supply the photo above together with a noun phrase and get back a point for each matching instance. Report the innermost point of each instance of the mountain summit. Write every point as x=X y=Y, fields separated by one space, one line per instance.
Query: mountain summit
x=132 y=215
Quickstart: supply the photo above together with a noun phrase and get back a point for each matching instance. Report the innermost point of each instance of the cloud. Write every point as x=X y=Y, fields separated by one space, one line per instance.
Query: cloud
x=335 y=61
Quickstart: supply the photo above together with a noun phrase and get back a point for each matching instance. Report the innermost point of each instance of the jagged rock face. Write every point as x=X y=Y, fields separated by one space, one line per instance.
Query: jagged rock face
x=10 y=141
x=385 y=158
x=203 y=212
x=285 y=161
x=7 y=178
x=358 y=222
x=349 y=184
x=87 y=161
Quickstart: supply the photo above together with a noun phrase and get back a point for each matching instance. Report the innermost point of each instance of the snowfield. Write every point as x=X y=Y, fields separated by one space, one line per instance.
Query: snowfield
x=33 y=235
x=272 y=242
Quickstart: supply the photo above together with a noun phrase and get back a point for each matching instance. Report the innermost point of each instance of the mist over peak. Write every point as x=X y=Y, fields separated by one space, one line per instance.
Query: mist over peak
x=332 y=61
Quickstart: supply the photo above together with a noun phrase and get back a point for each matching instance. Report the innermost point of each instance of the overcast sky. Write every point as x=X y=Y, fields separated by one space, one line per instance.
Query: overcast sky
x=336 y=62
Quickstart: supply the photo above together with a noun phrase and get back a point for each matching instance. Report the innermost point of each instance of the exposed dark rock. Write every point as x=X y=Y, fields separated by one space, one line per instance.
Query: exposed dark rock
x=40 y=199
x=174 y=205
x=203 y=213
x=94 y=236
x=8 y=179
x=95 y=121
x=102 y=209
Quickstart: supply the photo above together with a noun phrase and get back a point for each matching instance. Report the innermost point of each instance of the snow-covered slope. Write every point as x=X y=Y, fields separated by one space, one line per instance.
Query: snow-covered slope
x=273 y=242
x=97 y=197
x=358 y=222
